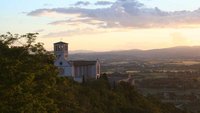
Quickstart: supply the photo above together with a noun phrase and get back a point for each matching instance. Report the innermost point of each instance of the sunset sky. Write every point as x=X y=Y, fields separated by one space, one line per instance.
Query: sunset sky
x=104 y=25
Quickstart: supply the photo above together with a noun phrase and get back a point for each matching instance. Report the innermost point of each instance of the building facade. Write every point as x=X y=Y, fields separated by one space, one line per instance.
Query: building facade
x=79 y=70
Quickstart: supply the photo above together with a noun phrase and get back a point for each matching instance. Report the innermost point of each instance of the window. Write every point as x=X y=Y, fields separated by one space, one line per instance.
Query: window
x=61 y=63
x=58 y=56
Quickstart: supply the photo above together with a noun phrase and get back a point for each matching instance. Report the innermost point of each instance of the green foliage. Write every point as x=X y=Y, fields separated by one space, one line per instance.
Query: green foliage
x=29 y=84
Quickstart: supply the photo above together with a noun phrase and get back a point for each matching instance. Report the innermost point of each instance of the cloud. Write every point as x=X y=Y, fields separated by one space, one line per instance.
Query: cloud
x=75 y=21
x=79 y=3
x=103 y=3
x=65 y=33
x=121 y=14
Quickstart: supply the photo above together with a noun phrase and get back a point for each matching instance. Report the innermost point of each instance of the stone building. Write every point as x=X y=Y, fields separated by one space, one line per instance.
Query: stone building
x=79 y=70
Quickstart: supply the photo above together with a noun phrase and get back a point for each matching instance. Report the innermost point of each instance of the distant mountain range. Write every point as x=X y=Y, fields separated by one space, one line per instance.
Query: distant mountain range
x=165 y=53
x=80 y=51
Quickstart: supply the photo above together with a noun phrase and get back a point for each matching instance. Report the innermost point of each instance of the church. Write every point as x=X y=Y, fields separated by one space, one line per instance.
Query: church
x=78 y=70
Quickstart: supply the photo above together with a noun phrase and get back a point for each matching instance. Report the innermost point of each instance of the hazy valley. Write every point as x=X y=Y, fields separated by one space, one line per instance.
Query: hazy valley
x=170 y=74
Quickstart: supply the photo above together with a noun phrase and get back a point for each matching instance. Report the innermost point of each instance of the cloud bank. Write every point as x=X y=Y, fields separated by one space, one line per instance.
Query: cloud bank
x=123 y=14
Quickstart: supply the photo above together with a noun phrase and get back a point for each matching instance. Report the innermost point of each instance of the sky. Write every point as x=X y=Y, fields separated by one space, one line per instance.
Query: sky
x=104 y=25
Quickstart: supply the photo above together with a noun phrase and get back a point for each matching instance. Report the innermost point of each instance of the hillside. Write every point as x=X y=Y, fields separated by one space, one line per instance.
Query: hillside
x=29 y=84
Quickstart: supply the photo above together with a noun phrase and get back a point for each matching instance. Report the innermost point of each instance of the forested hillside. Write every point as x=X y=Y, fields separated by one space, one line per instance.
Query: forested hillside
x=29 y=84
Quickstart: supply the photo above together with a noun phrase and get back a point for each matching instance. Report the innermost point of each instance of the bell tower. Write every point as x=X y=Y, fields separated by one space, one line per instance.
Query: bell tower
x=61 y=50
